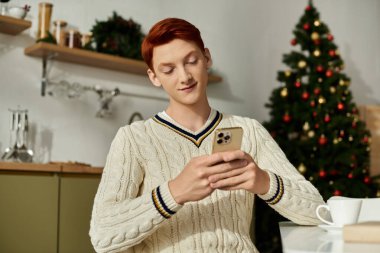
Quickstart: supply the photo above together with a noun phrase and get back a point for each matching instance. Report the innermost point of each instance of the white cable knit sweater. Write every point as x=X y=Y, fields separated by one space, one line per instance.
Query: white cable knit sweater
x=135 y=212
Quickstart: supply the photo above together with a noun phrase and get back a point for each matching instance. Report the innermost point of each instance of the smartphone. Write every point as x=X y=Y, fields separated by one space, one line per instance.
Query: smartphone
x=227 y=139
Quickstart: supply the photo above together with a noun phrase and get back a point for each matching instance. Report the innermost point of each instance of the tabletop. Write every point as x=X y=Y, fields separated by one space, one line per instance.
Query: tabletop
x=306 y=239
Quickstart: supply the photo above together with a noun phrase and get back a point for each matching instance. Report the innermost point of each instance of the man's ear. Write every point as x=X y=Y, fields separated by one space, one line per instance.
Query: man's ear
x=208 y=58
x=153 y=78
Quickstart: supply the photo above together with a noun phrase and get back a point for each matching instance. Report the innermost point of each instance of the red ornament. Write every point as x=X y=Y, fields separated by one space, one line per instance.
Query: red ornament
x=308 y=8
x=332 y=53
x=340 y=106
x=322 y=140
x=293 y=42
x=306 y=26
x=341 y=133
x=286 y=118
x=350 y=175
x=312 y=103
x=367 y=180
x=365 y=139
x=334 y=172
x=320 y=68
x=330 y=37
x=317 y=91
x=305 y=95
x=273 y=134
x=354 y=124
x=337 y=193
x=317 y=42
x=354 y=110
x=327 y=118
x=329 y=73
x=314 y=114
x=322 y=173
x=297 y=84
x=316 y=126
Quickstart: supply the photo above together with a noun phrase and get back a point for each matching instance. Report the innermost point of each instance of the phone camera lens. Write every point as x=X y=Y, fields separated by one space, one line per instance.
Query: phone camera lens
x=227 y=137
x=220 y=135
x=219 y=141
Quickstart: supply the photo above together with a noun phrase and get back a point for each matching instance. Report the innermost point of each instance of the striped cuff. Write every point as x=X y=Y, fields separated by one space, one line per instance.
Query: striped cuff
x=164 y=202
x=276 y=189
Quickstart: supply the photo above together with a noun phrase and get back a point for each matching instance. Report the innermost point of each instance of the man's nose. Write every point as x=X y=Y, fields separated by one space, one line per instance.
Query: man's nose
x=184 y=75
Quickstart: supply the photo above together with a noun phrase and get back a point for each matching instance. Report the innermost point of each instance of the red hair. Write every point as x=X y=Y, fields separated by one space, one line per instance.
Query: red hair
x=164 y=32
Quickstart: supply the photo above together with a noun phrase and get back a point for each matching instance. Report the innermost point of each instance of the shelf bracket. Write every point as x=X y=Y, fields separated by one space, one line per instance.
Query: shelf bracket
x=44 y=79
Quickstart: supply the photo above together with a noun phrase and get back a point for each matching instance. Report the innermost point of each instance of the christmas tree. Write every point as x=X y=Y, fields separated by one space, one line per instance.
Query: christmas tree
x=314 y=118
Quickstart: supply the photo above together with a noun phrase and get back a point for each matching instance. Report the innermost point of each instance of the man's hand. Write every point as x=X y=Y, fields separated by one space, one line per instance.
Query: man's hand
x=193 y=183
x=249 y=177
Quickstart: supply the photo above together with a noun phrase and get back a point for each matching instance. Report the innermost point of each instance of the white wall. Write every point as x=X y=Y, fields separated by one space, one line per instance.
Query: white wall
x=247 y=39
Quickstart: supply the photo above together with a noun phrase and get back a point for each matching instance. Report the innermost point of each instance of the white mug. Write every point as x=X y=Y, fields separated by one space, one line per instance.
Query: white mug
x=343 y=211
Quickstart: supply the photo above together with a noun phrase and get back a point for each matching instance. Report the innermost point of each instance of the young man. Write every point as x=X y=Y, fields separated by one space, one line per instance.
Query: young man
x=163 y=191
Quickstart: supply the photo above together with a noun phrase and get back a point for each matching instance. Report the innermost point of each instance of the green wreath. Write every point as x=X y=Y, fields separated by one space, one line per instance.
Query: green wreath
x=117 y=36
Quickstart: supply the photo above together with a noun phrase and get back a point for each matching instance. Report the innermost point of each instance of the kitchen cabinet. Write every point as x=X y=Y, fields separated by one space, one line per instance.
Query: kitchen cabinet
x=28 y=212
x=46 y=208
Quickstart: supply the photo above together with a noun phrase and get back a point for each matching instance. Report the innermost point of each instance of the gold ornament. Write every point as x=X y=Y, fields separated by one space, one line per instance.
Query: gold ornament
x=320 y=80
x=302 y=168
x=321 y=100
x=287 y=73
x=332 y=89
x=315 y=36
x=284 y=92
x=311 y=134
x=342 y=82
x=340 y=139
x=317 y=23
x=311 y=178
x=317 y=53
x=368 y=149
x=335 y=141
x=348 y=114
x=350 y=138
x=306 y=126
x=301 y=64
x=337 y=52
x=331 y=182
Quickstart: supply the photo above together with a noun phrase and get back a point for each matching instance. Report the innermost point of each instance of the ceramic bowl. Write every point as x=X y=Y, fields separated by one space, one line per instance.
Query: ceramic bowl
x=17 y=12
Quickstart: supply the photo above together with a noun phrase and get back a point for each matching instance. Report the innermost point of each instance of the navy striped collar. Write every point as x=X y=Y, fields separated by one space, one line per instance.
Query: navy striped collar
x=196 y=138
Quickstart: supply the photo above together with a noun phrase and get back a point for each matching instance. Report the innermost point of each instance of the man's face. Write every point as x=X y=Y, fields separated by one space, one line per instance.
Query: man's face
x=181 y=68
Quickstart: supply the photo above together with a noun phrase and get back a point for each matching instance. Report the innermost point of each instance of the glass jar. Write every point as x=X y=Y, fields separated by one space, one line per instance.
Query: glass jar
x=73 y=39
x=59 y=32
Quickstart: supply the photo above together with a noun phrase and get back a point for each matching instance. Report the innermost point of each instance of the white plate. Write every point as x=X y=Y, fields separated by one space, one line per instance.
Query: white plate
x=331 y=229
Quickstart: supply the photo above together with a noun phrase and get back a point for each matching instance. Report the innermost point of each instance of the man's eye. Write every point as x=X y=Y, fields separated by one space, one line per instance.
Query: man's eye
x=167 y=71
x=193 y=61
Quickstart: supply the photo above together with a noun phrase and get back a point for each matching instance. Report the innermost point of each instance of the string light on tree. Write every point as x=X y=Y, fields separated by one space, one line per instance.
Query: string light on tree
x=315 y=36
x=317 y=23
x=302 y=64
x=284 y=92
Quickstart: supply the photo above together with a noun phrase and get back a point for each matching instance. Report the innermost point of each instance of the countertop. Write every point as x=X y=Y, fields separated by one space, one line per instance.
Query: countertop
x=74 y=168
x=305 y=239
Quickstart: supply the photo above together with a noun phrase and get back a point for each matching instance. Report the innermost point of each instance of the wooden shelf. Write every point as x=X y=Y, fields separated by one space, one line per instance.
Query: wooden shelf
x=94 y=59
x=70 y=168
x=13 y=26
